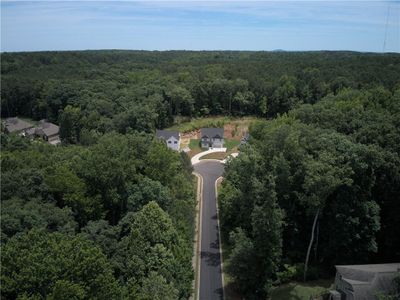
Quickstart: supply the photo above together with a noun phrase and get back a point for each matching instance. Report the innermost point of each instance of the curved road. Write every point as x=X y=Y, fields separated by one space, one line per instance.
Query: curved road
x=210 y=259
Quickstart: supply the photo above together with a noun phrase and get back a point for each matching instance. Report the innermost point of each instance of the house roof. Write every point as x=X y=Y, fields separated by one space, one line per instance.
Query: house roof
x=212 y=132
x=48 y=128
x=367 y=279
x=355 y=270
x=166 y=134
x=16 y=124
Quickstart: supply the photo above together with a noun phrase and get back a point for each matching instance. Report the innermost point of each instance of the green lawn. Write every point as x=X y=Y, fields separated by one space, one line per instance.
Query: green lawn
x=215 y=155
x=300 y=291
x=194 y=144
x=230 y=144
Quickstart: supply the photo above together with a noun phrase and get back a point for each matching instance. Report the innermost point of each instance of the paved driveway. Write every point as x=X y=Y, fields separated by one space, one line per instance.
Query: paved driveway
x=196 y=159
x=210 y=260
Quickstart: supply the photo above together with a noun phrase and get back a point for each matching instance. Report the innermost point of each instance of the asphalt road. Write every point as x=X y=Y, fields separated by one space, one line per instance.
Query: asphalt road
x=210 y=259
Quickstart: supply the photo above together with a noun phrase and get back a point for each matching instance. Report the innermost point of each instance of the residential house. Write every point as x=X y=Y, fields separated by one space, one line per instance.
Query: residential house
x=48 y=131
x=16 y=125
x=171 y=138
x=364 y=282
x=212 y=137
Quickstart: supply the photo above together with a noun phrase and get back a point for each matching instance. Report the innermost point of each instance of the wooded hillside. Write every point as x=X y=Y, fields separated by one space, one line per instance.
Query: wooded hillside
x=109 y=213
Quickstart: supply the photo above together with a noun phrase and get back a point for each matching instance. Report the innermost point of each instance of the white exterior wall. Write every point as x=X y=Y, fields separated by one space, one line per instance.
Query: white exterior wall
x=218 y=143
x=215 y=143
x=173 y=143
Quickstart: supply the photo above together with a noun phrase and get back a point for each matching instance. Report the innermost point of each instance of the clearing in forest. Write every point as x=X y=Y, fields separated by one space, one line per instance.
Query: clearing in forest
x=234 y=129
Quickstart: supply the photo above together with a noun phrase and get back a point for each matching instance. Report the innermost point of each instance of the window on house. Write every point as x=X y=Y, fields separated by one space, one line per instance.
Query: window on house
x=175 y=142
x=169 y=142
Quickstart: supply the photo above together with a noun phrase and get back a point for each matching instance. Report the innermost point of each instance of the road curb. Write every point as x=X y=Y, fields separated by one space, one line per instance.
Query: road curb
x=197 y=244
x=219 y=233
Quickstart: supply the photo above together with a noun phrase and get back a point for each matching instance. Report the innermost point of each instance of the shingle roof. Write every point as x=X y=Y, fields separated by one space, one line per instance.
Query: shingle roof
x=47 y=128
x=366 y=280
x=166 y=134
x=374 y=268
x=15 y=125
x=212 y=132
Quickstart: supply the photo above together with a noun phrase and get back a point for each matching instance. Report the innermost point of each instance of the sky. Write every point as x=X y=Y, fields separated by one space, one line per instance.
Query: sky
x=207 y=25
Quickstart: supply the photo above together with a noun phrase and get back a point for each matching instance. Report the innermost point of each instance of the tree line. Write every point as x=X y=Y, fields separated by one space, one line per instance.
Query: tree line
x=94 y=92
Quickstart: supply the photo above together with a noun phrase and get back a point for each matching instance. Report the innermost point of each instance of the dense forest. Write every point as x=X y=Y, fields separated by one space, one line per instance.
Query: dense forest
x=316 y=187
x=94 y=92
x=108 y=221
x=109 y=213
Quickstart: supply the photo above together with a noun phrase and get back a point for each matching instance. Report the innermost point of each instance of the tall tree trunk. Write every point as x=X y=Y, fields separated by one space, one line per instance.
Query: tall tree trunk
x=316 y=242
x=309 y=246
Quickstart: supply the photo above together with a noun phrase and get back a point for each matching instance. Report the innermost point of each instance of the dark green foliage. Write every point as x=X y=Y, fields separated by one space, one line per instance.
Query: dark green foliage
x=39 y=264
x=136 y=209
x=109 y=214
x=251 y=216
x=336 y=161
x=20 y=216
x=102 y=234
x=242 y=261
x=122 y=90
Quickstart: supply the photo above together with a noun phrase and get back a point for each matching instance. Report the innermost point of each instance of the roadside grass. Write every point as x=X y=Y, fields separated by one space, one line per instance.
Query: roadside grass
x=301 y=290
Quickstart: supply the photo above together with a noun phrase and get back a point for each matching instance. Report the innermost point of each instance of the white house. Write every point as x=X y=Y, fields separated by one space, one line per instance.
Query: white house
x=212 y=137
x=171 y=138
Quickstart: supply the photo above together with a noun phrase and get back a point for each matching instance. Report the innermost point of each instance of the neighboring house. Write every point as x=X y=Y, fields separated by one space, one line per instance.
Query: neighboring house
x=48 y=131
x=212 y=137
x=16 y=125
x=364 y=282
x=171 y=138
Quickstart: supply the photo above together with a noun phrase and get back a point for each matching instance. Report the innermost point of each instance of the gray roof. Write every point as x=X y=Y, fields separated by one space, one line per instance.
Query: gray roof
x=16 y=124
x=212 y=132
x=48 y=129
x=366 y=280
x=30 y=131
x=364 y=269
x=166 y=134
